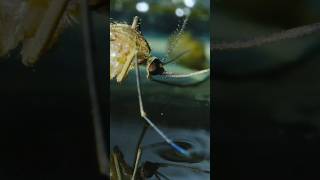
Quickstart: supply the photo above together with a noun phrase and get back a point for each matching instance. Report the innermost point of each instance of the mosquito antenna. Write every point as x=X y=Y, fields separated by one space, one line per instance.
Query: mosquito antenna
x=175 y=37
x=258 y=41
x=177 y=57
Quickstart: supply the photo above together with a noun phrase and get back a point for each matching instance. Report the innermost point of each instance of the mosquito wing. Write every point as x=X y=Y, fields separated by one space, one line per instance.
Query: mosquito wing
x=122 y=50
x=126 y=43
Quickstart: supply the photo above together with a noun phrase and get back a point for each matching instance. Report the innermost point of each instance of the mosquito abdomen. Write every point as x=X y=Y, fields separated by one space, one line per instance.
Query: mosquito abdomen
x=123 y=42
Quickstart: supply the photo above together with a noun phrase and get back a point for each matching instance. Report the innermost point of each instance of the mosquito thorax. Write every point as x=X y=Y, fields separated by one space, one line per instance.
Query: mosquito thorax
x=154 y=66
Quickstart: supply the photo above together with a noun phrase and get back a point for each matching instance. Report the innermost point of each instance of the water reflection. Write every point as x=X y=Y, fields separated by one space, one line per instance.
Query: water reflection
x=125 y=135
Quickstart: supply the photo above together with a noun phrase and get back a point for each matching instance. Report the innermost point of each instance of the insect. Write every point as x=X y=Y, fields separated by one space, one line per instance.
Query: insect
x=36 y=25
x=128 y=44
x=128 y=50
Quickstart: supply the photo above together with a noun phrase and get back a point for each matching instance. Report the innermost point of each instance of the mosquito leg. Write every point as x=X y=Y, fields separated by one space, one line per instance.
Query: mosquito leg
x=144 y=130
x=144 y=115
x=138 y=151
x=135 y=22
x=47 y=27
x=117 y=166
x=137 y=160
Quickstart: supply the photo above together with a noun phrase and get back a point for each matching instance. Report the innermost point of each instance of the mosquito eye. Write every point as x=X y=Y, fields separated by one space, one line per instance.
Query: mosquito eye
x=156 y=67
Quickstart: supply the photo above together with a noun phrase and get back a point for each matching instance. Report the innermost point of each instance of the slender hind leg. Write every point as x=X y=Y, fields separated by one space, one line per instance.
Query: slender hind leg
x=136 y=164
x=143 y=114
x=139 y=147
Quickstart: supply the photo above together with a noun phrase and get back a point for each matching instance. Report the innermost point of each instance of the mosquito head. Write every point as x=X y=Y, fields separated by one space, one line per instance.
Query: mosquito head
x=154 y=66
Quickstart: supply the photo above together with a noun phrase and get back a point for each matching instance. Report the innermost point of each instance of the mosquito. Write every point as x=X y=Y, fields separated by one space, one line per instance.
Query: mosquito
x=128 y=50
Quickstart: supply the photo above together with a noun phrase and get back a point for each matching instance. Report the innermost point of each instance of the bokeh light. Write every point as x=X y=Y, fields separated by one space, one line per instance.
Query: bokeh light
x=142 y=6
